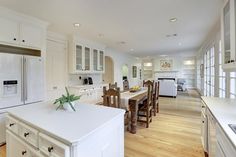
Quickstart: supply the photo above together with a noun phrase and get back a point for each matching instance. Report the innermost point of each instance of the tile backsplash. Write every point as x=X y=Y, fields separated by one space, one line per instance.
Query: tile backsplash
x=78 y=79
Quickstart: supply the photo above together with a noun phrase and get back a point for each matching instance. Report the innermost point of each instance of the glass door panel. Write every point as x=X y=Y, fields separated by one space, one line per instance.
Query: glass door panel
x=87 y=59
x=95 y=60
x=226 y=22
x=101 y=58
x=79 y=58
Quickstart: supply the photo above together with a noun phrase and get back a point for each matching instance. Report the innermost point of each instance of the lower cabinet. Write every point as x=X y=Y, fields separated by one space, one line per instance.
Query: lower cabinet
x=18 y=148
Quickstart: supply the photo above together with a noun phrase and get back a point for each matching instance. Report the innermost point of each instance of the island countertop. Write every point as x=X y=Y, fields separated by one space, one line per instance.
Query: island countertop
x=224 y=111
x=69 y=127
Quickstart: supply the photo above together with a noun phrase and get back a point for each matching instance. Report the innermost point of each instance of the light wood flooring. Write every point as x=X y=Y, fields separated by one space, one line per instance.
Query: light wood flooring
x=175 y=132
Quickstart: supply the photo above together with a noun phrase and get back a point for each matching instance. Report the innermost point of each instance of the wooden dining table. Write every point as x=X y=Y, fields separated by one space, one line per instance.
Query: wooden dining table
x=133 y=103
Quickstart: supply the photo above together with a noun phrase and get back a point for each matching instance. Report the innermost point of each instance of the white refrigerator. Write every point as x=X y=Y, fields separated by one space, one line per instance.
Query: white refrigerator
x=21 y=83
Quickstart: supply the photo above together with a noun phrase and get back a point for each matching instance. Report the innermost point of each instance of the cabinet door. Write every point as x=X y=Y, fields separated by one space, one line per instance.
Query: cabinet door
x=95 y=60
x=79 y=58
x=87 y=58
x=55 y=68
x=101 y=60
x=219 y=151
x=211 y=136
x=2 y=128
x=31 y=35
x=9 y=31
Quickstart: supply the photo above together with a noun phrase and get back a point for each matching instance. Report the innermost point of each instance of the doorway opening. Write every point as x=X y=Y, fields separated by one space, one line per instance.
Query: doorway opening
x=108 y=76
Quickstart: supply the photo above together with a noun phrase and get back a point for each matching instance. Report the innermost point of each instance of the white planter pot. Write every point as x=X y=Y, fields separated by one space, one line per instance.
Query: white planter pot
x=67 y=106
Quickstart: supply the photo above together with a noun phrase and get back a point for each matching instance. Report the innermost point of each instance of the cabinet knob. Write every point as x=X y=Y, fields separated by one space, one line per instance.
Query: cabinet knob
x=24 y=152
x=50 y=149
x=26 y=134
x=11 y=124
x=14 y=39
x=23 y=41
x=203 y=122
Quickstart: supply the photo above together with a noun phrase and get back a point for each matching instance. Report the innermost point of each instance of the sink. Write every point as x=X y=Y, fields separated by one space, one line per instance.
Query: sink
x=233 y=127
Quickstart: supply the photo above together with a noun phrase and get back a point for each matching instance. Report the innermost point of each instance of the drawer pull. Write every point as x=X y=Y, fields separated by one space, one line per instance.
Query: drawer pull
x=203 y=122
x=11 y=124
x=50 y=149
x=26 y=134
x=24 y=152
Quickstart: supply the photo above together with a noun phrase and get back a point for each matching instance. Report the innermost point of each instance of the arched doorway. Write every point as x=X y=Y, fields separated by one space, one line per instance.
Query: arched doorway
x=108 y=76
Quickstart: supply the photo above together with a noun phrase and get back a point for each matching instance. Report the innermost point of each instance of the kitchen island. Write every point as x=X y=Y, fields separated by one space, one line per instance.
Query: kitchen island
x=39 y=130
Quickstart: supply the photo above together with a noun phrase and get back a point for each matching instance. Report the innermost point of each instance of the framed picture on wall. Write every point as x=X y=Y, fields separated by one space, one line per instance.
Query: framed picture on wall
x=134 y=71
x=166 y=64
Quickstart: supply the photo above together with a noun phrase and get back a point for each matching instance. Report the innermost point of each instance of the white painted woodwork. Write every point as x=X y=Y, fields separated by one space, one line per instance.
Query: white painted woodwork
x=228 y=30
x=56 y=68
x=221 y=139
x=66 y=134
x=86 y=56
x=21 y=30
x=9 y=31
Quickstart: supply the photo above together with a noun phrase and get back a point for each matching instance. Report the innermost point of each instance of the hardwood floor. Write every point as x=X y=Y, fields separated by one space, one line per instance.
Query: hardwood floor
x=175 y=132
x=3 y=151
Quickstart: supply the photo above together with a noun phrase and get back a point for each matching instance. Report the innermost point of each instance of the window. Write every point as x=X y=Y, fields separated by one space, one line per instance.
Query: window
x=209 y=74
x=222 y=77
x=232 y=84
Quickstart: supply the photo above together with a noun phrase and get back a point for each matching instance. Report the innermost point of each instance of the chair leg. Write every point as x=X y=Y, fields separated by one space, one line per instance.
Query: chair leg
x=147 y=120
x=150 y=116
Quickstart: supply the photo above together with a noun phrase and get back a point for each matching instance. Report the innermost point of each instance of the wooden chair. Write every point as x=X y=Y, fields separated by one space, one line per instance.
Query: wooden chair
x=113 y=86
x=145 y=110
x=156 y=98
x=111 y=98
x=125 y=85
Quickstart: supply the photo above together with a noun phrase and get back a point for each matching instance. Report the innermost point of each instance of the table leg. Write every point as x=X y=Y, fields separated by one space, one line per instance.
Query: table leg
x=134 y=112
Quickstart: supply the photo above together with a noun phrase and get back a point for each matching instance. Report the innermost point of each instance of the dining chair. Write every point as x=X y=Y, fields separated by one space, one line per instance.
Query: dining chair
x=125 y=85
x=113 y=86
x=145 y=110
x=111 y=98
x=156 y=98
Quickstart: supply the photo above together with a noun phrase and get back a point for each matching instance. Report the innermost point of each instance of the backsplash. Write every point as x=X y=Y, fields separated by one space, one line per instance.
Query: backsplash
x=74 y=79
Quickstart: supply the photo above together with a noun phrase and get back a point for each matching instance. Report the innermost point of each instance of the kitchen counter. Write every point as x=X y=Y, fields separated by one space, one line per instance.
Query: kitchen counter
x=224 y=111
x=87 y=86
x=68 y=127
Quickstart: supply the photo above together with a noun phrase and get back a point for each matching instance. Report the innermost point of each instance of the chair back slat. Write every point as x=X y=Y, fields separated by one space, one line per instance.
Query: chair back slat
x=111 y=97
x=150 y=85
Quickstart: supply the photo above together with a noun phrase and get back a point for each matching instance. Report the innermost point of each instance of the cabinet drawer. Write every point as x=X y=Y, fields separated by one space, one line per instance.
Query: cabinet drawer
x=29 y=134
x=12 y=124
x=52 y=147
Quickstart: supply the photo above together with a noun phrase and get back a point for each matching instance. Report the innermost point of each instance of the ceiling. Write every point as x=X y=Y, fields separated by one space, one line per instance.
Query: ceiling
x=141 y=25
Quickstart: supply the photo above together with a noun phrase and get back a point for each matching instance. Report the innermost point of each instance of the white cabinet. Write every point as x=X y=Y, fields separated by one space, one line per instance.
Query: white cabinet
x=211 y=135
x=85 y=57
x=31 y=35
x=228 y=30
x=56 y=68
x=21 y=31
x=2 y=127
x=17 y=148
x=9 y=32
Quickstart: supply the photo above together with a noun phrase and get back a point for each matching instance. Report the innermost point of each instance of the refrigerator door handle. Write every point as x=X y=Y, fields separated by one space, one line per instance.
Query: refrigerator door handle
x=22 y=79
x=25 y=80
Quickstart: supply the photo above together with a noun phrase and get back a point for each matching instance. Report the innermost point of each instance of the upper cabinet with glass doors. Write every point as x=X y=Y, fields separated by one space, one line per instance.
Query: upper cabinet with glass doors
x=85 y=56
x=228 y=34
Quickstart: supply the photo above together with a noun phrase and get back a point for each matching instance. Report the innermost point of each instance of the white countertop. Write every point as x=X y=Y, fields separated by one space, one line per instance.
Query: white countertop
x=87 y=86
x=69 y=127
x=224 y=111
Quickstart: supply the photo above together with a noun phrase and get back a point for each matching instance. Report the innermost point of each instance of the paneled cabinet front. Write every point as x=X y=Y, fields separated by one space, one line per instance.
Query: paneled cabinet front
x=22 y=34
x=85 y=58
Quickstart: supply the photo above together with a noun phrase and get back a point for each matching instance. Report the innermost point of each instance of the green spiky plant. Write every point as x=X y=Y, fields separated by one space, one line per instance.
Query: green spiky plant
x=66 y=99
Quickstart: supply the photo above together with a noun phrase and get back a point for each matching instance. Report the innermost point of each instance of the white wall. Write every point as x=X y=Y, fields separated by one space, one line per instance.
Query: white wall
x=119 y=59
x=186 y=72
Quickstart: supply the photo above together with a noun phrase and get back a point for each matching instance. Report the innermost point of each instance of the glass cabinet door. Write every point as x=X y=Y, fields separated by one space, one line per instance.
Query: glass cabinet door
x=226 y=23
x=95 y=59
x=87 y=59
x=79 y=66
x=101 y=60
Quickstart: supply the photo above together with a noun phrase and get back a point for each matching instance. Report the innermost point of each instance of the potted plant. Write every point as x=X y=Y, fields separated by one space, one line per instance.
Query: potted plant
x=67 y=102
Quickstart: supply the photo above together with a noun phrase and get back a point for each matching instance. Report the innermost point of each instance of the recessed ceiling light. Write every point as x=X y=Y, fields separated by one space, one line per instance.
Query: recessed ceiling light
x=131 y=49
x=122 y=42
x=180 y=44
x=174 y=19
x=76 y=24
x=100 y=35
x=171 y=35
